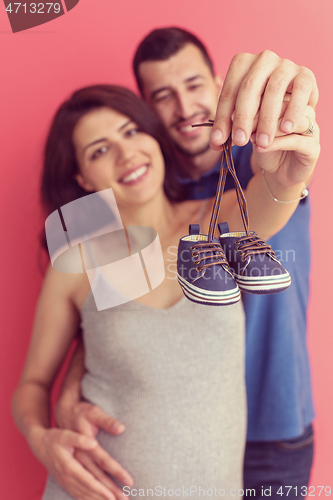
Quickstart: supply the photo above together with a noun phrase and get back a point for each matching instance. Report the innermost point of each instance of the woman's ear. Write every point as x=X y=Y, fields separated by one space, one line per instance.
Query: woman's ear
x=83 y=183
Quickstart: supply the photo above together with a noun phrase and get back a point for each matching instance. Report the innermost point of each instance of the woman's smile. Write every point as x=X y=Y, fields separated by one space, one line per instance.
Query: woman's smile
x=134 y=175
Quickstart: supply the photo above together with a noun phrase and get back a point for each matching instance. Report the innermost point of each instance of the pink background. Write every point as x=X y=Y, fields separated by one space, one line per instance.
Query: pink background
x=94 y=43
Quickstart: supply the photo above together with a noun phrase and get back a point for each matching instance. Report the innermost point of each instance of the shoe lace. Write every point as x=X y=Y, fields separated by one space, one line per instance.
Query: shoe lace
x=208 y=251
x=227 y=164
x=251 y=245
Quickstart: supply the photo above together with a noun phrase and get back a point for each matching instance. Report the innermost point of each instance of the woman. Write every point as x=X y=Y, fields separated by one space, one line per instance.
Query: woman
x=171 y=370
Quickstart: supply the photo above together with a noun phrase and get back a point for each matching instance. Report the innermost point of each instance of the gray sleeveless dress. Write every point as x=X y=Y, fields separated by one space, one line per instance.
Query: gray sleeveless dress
x=175 y=378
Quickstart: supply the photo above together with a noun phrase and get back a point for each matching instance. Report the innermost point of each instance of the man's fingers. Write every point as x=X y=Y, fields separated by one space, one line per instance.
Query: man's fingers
x=304 y=92
x=307 y=148
x=303 y=144
x=237 y=71
x=275 y=92
x=246 y=92
x=259 y=83
x=306 y=126
x=303 y=124
x=263 y=87
x=270 y=111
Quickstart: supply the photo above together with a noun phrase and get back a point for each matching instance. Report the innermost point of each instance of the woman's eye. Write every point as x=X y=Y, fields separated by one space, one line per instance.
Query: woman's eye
x=131 y=132
x=99 y=152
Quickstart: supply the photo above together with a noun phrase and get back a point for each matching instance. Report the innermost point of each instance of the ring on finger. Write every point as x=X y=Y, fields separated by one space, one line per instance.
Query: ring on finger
x=311 y=128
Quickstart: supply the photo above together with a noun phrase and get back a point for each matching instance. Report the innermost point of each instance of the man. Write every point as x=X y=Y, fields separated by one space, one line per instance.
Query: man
x=175 y=76
x=266 y=100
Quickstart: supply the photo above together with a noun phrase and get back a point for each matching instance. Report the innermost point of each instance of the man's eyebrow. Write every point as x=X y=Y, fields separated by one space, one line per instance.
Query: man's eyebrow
x=162 y=89
x=103 y=139
x=188 y=80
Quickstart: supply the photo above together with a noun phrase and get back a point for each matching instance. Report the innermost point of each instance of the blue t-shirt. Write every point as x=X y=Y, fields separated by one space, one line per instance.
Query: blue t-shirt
x=278 y=381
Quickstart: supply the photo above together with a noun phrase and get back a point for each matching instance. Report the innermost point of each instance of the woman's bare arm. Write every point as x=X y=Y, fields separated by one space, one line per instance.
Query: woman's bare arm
x=56 y=323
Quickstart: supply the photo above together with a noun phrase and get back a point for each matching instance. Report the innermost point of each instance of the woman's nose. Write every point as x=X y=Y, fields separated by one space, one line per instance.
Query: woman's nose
x=124 y=153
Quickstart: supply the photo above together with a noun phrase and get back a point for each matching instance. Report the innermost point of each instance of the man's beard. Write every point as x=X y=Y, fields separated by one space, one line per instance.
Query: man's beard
x=192 y=154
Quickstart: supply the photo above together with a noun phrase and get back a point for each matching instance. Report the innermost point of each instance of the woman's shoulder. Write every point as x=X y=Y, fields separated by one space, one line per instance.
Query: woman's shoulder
x=67 y=287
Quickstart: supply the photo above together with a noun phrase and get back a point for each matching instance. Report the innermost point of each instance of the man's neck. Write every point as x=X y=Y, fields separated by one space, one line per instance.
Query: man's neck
x=198 y=165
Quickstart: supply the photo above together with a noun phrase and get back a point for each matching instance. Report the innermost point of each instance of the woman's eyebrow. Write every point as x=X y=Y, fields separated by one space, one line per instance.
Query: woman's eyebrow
x=125 y=125
x=102 y=139
x=93 y=143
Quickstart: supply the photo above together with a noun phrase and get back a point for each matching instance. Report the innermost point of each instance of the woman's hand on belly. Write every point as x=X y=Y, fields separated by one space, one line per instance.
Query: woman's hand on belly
x=57 y=449
x=88 y=419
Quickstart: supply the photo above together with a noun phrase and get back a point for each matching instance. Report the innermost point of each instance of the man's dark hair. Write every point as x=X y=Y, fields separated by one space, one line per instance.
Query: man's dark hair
x=163 y=43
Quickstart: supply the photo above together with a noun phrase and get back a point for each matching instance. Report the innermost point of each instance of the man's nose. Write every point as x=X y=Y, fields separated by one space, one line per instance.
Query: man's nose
x=184 y=105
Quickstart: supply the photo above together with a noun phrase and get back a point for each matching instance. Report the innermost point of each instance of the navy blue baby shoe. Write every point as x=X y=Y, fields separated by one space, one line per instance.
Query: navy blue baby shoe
x=254 y=264
x=203 y=271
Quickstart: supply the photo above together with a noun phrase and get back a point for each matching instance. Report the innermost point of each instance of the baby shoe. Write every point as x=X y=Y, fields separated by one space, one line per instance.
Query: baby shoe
x=254 y=264
x=203 y=272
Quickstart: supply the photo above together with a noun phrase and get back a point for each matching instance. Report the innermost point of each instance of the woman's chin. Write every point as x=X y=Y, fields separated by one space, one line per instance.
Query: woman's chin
x=138 y=194
x=139 y=199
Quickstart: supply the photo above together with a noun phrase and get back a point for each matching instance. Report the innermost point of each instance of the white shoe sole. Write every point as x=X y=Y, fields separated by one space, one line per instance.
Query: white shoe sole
x=263 y=284
x=201 y=296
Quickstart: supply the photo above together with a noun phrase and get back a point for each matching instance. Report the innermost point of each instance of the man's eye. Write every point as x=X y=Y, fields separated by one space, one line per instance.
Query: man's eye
x=100 y=151
x=162 y=97
x=194 y=87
